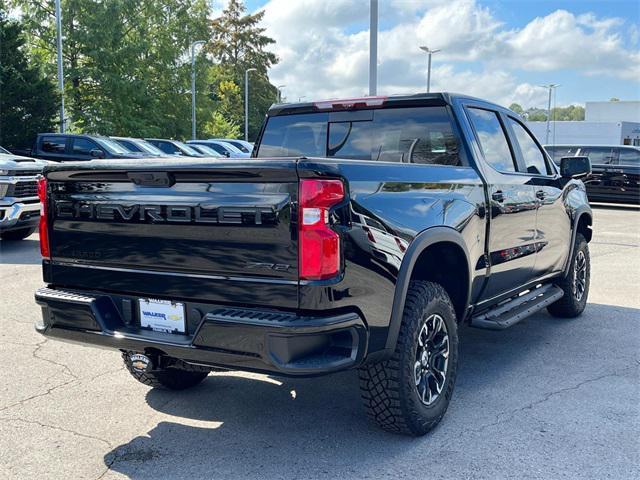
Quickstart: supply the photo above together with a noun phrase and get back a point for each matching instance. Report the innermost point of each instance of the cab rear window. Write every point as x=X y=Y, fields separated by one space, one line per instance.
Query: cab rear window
x=422 y=135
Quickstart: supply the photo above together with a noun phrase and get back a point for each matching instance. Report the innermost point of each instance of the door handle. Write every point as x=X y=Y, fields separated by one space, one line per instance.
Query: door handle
x=540 y=194
x=498 y=196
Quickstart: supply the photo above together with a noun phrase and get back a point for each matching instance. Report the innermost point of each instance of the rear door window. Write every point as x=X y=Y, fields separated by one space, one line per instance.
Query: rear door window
x=629 y=157
x=599 y=155
x=54 y=144
x=83 y=146
x=492 y=139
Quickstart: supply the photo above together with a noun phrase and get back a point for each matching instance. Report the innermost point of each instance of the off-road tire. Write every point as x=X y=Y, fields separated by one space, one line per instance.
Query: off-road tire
x=19 y=234
x=388 y=388
x=179 y=376
x=569 y=305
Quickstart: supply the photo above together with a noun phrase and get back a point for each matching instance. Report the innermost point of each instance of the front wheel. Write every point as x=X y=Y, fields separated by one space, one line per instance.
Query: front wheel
x=410 y=392
x=575 y=284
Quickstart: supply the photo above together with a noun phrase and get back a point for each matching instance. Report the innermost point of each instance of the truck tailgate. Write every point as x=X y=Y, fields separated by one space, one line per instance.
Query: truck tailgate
x=212 y=231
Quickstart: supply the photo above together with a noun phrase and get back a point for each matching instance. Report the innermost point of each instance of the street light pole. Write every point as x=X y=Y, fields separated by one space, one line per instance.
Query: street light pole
x=373 y=47
x=246 y=103
x=193 y=86
x=279 y=88
x=429 y=52
x=550 y=87
x=60 y=73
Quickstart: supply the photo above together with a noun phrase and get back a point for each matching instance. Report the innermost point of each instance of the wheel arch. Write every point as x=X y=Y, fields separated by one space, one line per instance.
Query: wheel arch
x=582 y=224
x=449 y=247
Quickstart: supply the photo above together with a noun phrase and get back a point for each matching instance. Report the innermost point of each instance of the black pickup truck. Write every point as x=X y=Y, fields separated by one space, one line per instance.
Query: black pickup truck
x=362 y=234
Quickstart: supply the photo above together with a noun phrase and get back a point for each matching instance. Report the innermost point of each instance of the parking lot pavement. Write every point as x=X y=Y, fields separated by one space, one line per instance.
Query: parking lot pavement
x=547 y=398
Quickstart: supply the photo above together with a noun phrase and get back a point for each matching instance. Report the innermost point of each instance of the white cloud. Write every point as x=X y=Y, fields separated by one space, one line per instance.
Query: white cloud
x=321 y=56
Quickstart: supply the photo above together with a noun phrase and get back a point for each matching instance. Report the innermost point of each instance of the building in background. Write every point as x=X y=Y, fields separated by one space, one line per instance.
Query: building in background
x=617 y=111
x=606 y=123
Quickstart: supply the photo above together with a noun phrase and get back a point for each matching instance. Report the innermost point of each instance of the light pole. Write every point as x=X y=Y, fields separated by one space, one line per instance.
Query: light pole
x=550 y=87
x=246 y=103
x=373 y=47
x=430 y=52
x=279 y=88
x=193 y=86
x=60 y=76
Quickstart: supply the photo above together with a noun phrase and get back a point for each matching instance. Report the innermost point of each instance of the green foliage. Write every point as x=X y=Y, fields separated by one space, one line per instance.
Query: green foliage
x=238 y=43
x=559 y=114
x=572 y=112
x=128 y=67
x=28 y=99
x=126 y=61
x=516 y=108
x=219 y=127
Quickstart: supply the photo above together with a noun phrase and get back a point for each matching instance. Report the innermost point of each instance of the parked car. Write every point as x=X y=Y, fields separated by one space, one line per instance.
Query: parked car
x=245 y=147
x=363 y=235
x=140 y=146
x=62 y=147
x=616 y=170
x=223 y=148
x=205 y=150
x=19 y=204
x=174 y=147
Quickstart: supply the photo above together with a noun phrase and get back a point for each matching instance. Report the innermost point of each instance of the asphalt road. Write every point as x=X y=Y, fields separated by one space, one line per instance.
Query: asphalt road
x=547 y=398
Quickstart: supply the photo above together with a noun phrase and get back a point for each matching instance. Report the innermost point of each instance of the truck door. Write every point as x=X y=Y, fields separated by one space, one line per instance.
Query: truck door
x=628 y=163
x=512 y=205
x=553 y=225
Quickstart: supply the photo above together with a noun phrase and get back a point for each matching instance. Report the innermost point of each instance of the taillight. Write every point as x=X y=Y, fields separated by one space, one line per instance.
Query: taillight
x=319 y=245
x=43 y=230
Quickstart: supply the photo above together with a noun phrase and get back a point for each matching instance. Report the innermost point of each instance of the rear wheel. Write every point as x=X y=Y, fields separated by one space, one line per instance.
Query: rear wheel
x=576 y=284
x=19 y=234
x=410 y=392
x=177 y=375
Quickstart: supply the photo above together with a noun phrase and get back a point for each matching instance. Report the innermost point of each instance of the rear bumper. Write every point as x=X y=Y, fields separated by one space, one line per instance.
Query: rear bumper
x=230 y=338
x=19 y=215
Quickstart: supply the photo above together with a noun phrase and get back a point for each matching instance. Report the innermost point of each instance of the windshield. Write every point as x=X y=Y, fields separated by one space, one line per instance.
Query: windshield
x=112 y=146
x=206 y=150
x=187 y=149
x=147 y=147
x=411 y=135
x=239 y=146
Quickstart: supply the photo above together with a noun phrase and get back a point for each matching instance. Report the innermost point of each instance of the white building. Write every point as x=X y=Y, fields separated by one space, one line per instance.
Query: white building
x=621 y=111
x=605 y=123
x=587 y=133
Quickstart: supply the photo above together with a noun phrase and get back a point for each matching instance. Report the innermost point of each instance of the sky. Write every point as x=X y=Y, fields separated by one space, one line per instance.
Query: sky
x=500 y=50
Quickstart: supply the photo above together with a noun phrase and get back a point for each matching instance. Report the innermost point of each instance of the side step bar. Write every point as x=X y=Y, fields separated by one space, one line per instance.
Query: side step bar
x=518 y=308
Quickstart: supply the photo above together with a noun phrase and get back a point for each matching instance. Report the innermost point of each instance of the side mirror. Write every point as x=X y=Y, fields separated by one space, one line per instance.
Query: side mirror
x=97 y=153
x=575 y=167
x=227 y=154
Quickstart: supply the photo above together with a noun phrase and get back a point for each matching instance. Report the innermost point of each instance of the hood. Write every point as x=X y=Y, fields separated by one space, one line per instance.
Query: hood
x=16 y=162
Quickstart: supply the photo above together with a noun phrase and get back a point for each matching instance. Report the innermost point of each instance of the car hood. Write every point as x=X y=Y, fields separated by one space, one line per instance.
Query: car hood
x=16 y=162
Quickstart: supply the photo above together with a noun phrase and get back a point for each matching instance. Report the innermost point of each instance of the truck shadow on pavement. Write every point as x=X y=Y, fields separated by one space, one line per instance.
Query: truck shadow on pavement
x=234 y=426
x=23 y=252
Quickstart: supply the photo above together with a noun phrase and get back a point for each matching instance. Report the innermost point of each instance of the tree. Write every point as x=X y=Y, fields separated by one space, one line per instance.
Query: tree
x=28 y=99
x=238 y=43
x=126 y=61
x=516 y=108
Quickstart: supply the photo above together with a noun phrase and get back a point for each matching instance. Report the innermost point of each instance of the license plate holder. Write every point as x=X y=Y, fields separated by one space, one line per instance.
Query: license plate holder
x=162 y=315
